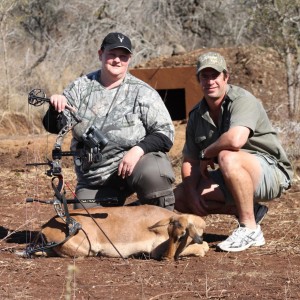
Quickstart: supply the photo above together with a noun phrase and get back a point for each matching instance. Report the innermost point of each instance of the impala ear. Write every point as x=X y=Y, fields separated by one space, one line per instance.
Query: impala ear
x=198 y=222
x=161 y=223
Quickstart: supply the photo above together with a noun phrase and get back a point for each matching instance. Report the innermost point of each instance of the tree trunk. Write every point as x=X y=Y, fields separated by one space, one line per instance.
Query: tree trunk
x=290 y=81
x=6 y=94
x=297 y=89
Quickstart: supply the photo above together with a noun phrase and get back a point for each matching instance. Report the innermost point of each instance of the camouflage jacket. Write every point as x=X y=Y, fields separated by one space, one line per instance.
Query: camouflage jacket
x=125 y=115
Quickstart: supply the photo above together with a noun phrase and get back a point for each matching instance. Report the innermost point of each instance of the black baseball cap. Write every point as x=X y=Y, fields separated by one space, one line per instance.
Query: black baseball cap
x=116 y=40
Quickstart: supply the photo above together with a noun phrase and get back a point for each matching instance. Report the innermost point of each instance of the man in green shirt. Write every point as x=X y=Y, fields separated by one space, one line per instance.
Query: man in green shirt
x=232 y=156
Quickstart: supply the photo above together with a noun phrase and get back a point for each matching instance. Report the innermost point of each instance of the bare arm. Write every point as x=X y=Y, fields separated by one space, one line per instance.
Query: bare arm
x=234 y=139
x=191 y=175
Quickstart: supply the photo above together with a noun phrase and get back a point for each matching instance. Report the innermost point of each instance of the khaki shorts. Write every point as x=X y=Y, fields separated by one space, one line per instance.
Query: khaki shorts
x=273 y=181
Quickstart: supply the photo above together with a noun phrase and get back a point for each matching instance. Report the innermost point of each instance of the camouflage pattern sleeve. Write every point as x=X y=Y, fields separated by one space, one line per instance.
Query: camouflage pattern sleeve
x=154 y=114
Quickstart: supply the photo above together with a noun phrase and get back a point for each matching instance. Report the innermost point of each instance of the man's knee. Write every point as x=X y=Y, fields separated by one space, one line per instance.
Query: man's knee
x=153 y=176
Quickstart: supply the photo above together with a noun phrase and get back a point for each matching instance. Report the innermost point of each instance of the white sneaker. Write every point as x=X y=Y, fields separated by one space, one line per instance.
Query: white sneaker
x=242 y=238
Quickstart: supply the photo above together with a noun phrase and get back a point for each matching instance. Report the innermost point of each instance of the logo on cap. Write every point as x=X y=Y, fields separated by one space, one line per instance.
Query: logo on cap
x=211 y=60
x=116 y=40
x=121 y=38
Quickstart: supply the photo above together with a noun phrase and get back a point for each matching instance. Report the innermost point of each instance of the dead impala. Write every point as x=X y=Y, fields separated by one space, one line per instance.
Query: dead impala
x=128 y=231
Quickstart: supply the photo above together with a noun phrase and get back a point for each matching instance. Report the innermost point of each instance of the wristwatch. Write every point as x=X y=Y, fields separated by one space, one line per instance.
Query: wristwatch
x=202 y=156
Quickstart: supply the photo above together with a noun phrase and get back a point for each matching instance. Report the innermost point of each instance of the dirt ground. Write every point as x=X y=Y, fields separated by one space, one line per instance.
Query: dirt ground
x=268 y=272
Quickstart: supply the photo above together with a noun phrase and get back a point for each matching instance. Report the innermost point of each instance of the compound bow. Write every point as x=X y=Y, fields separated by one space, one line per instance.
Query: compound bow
x=37 y=97
x=96 y=141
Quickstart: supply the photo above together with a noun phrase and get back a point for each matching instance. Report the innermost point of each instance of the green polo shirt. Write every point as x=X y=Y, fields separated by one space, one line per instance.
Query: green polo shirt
x=239 y=108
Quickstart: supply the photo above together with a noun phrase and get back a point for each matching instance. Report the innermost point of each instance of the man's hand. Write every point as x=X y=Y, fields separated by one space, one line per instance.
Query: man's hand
x=129 y=161
x=190 y=197
x=204 y=167
x=60 y=103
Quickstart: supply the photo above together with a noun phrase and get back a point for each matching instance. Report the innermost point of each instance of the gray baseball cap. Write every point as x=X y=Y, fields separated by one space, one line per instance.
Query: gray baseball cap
x=211 y=60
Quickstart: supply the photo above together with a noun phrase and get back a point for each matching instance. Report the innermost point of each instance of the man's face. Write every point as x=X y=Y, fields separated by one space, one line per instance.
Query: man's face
x=213 y=83
x=115 y=61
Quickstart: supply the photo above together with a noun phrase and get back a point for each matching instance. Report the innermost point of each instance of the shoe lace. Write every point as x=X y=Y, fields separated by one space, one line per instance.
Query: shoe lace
x=237 y=233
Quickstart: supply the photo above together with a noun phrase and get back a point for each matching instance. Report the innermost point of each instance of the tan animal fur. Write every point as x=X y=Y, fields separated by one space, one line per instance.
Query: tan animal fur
x=133 y=230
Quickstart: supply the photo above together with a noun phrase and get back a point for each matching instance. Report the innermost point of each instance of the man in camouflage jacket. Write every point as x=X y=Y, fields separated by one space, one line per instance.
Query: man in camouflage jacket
x=134 y=123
